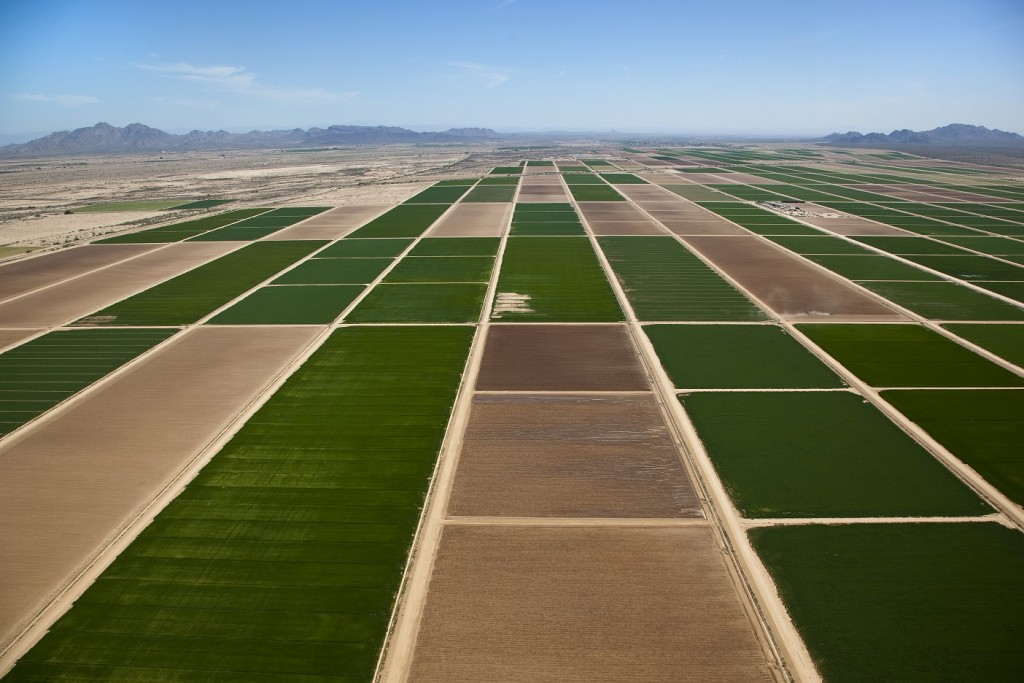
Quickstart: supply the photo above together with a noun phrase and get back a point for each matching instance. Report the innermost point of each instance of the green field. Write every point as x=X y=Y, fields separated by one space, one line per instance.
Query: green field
x=696 y=193
x=821 y=454
x=995 y=246
x=758 y=220
x=282 y=559
x=456 y=246
x=970 y=267
x=201 y=204
x=910 y=245
x=506 y=170
x=984 y=428
x=405 y=220
x=177 y=232
x=43 y=372
x=870 y=267
x=562 y=278
x=491 y=193
x=499 y=181
x=946 y=301
x=234 y=233
x=737 y=357
x=818 y=244
x=443 y=194
x=663 y=280
x=903 y=602
x=595 y=193
x=907 y=356
x=335 y=271
x=1006 y=341
x=365 y=247
x=290 y=305
x=546 y=219
x=572 y=179
x=464 y=182
x=442 y=269
x=150 y=205
x=623 y=179
x=188 y=297
x=420 y=303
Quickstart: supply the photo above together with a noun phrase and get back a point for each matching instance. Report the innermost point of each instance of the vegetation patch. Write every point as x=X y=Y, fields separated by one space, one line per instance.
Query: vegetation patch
x=595 y=193
x=445 y=194
x=546 y=219
x=870 y=267
x=177 y=232
x=442 y=269
x=421 y=303
x=456 y=246
x=405 y=220
x=1006 y=341
x=290 y=305
x=946 y=301
x=491 y=193
x=821 y=454
x=902 y=602
x=365 y=247
x=334 y=271
x=737 y=357
x=146 y=205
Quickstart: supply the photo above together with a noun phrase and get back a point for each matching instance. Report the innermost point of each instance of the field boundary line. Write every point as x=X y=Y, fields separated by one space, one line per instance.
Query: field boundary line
x=758 y=523
x=639 y=522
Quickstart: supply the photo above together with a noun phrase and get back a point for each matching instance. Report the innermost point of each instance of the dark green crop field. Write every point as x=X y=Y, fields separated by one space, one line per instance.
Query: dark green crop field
x=421 y=303
x=335 y=271
x=870 y=267
x=365 y=248
x=456 y=246
x=188 y=297
x=663 y=280
x=623 y=179
x=903 y=602
x=405 y=220
x=821 y=454
x=282 y=559
x=444 y=194
x=45 y=371
x=546 y=219
x=290 y=305
x=494 y=193
x=562 y=278
x=971 y=267
x=737 y=357
x=177 y=232
x=984 y=428
x=946 y=301
x=818 y=244
x=595 y=193
x=442 y=269
x=1006 y=341
x=907 y=356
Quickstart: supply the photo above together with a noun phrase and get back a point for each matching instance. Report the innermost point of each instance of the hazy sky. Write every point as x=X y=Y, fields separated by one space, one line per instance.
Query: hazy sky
x=757 y=66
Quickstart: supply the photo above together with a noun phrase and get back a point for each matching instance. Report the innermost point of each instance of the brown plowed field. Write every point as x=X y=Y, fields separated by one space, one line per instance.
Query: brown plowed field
x=847 y=225
x=28 y=274
x=473 y=220
x=703 y=224
x=560 y=358
x=787 y=285
x=642 y=193
x=570 y=456
x=70 y=300
x=8 y=337
x=70 y=483
x=962 y=196
x=608 y=211
x=583 y=605
x=329 y=225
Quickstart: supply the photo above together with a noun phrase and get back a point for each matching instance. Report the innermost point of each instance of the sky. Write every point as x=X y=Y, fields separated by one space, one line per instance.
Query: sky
x=771 y=67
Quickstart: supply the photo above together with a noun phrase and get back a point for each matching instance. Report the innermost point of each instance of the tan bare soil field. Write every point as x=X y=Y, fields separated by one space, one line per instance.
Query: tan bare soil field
x=570 y=456
x=475 y=219
x=785 y=284
x=520 y=357
x=68 y=301
x=689 y=226
x=547 y=189
x=642 y=193
x=10 y=337
x=610 y=211
x=627 y=165
x=68 y=486
x=583 y=605
x=30 y=273
x=330 y=225
x=846 y=224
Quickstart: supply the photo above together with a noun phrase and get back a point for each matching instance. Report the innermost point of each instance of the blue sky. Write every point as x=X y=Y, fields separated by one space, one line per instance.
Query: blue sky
x=774 y=66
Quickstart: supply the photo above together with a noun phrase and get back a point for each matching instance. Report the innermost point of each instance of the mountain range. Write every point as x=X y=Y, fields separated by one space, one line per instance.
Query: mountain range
x=953 y=134
x=104 y=138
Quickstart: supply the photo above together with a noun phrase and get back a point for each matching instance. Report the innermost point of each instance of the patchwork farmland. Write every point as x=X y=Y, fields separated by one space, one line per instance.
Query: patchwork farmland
x=674 y=414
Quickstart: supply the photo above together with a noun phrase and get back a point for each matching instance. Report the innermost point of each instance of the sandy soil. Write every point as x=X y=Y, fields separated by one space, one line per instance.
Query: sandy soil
x=73 y=481
x=570 y=456
x=68 y=301
x=560 y=358
x=583 y=605
x=786 y=284
x=57 y=229
x=331 y=224
x=473 y=219
x=30 y=273
x=844 y=224
x=11 y=337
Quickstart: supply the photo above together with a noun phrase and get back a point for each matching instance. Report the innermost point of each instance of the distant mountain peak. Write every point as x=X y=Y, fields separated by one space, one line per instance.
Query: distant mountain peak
x=104 y=138
x=954 y=133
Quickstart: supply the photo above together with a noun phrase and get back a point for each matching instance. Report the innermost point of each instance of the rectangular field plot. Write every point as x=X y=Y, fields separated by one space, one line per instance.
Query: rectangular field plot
x=560 y=358
x=38 y=375
x=24 y=275
x=290 y=305
x=870 y=267
x=498 y=181
x=553 y=279
x=233 y=233
x=443 y=194
x=442 y=269
x=995 y=246
x=984 y=428
x=473 y=220
x=907 y=356
x=456 y=246
x=188 y=297
x=946 y=301
x=404 y=220
x=365 y=248
x=177 y=232
x=331 y=224
x=810 y=454
x=665 y=281
x=902 y=602
x=143 y=205
x=623 y=179
x=284 y=556
x=595 y=193
x=695 y=193
x=334 y=271
x=421 y=303
x=506 y=170
x=546 y=219
x=971 y=267
x=509 y=603
x=910 y=245
x=570 y=456
x=737 y=357
x=492 y=193
x=618 y=218
x=758 y=220
x=815 y=244
x=1006 y=341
